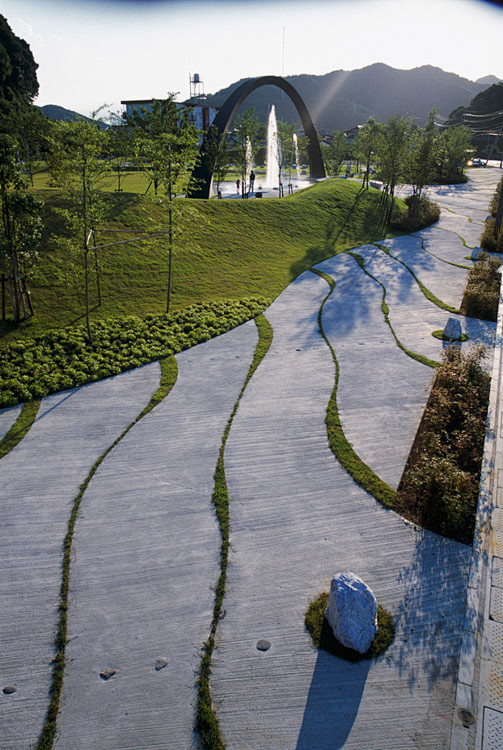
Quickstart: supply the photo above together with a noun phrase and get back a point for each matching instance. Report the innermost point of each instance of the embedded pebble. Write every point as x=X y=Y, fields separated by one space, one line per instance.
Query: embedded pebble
x=9 y=689
x=160 y=664
x=263 y=644
x=106 y=674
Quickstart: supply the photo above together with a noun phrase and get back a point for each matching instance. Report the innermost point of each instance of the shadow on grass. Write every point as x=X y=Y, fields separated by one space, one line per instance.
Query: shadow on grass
x=341 y=235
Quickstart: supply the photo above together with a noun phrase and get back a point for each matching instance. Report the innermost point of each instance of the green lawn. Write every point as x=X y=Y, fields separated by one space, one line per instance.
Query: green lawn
x=224 y=249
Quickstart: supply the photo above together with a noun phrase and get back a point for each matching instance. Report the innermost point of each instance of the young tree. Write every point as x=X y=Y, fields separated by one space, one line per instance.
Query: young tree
x=166 y=144
x=33 y=131
x=216 y=155
x=393 y=145
x=453 y=145
x=77 y=162
x=120 y=151
x=246 y=130
x=21 y=227
x=423 y=155
x=334 y=154
x=364 y=146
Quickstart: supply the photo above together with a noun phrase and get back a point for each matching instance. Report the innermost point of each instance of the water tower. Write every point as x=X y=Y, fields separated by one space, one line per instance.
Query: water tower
x=196 y=86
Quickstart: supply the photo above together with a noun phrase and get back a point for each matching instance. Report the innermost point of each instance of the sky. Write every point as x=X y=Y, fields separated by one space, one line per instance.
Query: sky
x=96 y=52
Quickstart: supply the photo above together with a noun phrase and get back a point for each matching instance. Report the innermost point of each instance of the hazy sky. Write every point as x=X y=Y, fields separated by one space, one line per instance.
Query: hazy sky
x=95 y=51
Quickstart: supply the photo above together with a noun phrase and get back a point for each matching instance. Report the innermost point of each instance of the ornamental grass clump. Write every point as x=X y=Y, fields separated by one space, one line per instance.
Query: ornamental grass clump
x=439 y=487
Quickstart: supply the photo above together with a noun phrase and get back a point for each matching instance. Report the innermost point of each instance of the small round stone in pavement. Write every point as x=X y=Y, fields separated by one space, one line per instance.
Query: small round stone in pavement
x=160 y=664
x=467 y=718
x=106 y=674
x=9 y=689
x=263 y=644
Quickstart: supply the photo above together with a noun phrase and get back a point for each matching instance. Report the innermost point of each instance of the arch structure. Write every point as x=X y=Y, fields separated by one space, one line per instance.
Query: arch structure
x=202 y=174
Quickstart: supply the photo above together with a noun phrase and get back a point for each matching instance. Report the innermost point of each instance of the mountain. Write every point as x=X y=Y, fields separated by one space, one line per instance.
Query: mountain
x=55 y=112
x=342 y=99
x=488 y=80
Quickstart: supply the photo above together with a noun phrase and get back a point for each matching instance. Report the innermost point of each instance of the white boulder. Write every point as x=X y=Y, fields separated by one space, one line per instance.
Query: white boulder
x=452 y=330
x=352 y=612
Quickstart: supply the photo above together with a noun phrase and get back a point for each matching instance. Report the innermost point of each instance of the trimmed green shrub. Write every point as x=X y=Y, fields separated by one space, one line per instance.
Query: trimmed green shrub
x=420 y=213
x=64 y=358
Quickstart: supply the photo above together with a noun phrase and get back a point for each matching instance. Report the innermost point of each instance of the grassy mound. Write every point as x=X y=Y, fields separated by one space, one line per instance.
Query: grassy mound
x=222 y=249
x=322 y=635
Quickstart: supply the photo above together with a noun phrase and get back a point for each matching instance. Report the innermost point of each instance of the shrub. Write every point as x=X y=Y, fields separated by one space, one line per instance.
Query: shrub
x=488 y=241
x=420 y=213
x=440 y=482
x=482 y=293
x=63 y=358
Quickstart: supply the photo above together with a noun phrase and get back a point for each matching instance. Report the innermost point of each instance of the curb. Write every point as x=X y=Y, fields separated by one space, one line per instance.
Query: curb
x=478 y=712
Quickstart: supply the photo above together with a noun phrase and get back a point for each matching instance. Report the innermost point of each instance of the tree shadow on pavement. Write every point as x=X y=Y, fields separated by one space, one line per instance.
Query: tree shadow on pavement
x=430 y=616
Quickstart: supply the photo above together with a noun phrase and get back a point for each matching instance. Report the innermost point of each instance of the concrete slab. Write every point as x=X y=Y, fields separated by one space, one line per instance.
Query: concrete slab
x=8 y=417
x=445 y=281
x=40 y=478
x=414 y=317
x=297 y=518
x=382 y=392
x=146 y=560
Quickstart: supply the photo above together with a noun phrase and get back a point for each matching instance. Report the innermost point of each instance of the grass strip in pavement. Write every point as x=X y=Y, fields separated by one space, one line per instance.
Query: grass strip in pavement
x=20 y=427
x=339 y=444
x=169 y=372
x=207 y=724
x=448 y=262
x=429 y=295
x=385 y=310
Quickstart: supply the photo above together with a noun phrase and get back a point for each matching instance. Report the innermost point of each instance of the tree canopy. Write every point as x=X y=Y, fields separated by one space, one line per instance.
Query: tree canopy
x=18 y=69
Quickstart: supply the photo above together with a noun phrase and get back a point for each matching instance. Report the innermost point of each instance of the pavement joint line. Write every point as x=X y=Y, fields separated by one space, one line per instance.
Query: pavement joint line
x=207 y=724
x=169 y=371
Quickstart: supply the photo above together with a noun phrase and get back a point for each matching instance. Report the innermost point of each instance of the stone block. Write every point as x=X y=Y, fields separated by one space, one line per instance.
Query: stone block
x=352 y=612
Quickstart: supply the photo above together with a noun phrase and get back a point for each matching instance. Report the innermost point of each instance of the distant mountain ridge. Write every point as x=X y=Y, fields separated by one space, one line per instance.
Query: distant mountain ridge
x=55 y=112
x=343 y=99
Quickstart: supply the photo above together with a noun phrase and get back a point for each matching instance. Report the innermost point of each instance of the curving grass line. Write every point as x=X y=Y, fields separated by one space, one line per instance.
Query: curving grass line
x=385 y=310
x=447 y=262
x=207 y=724
x=20 y=427
x=429 y=295
x=169 y=372
x=339 y=444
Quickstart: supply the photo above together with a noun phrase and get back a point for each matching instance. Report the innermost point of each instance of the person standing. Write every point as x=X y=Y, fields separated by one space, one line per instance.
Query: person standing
x=252 y=180
x=238 y=184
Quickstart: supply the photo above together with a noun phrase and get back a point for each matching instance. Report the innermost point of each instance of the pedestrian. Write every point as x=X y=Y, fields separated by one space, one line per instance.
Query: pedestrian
x=252 y=180
x=238 y=184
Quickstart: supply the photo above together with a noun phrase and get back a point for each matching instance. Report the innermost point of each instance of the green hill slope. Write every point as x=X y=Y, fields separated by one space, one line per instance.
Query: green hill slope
x=224 y=249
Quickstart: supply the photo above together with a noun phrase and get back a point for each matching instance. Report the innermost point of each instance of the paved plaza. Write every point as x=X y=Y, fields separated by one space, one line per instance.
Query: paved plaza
x=145 y=552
